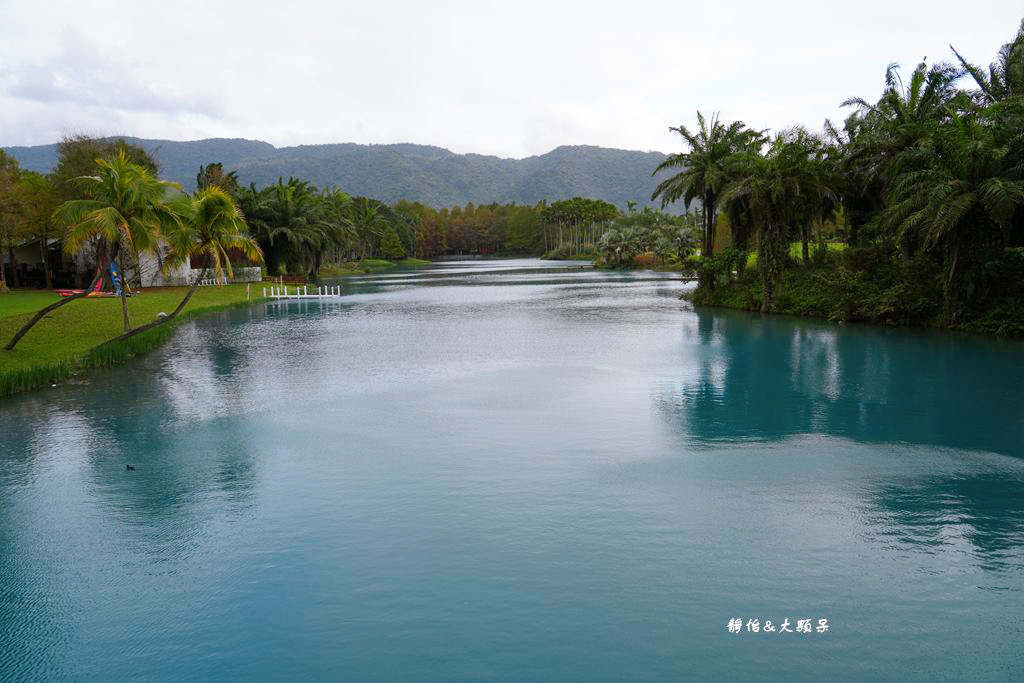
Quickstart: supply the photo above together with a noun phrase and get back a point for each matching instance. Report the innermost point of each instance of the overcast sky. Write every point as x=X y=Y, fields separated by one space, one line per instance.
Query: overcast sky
x=511 y=79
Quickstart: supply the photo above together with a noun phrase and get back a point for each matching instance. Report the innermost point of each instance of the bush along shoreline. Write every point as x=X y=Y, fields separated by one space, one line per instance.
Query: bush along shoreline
x=862 y=284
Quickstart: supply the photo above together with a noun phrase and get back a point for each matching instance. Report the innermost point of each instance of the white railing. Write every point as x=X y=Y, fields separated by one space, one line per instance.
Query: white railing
x=281 y=292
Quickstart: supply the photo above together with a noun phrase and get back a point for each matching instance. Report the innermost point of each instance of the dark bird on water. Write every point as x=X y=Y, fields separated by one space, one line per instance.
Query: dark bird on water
x=131 y=467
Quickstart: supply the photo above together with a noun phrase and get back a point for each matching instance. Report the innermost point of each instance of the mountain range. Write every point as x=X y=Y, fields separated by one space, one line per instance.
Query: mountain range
x=432 y=175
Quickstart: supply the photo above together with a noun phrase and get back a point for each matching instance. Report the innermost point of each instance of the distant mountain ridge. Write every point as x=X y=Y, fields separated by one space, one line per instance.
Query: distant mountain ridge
x=432 y=175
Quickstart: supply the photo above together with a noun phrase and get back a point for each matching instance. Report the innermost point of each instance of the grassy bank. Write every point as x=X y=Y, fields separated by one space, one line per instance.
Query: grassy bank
x=78 y=335
x=368 y=266
x=861 y=285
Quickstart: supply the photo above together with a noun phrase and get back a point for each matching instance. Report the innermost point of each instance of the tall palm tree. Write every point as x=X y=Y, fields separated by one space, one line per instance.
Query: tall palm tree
x=704 y=167
x=785 y=190
x=213 y=174
x=211 y=226
x=370 y=218
x=125 y=211
x=336 y=222
x=963 y=190
x=285 y=220
x=8 y=179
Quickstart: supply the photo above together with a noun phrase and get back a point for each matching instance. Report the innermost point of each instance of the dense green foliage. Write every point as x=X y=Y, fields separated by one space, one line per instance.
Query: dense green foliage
x=927 y=183
x=429 y=175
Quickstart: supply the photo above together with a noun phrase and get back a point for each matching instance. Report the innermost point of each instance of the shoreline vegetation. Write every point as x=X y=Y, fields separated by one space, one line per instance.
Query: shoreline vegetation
x=924 y=188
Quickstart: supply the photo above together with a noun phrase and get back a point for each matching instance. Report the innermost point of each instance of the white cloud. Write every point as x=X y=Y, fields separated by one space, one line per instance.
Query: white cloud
x=509 y=79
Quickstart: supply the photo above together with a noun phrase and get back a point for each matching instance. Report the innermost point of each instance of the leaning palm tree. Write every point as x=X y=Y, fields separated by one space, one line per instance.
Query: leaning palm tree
x=704 y=168
x=212 y=226
x=125 y=212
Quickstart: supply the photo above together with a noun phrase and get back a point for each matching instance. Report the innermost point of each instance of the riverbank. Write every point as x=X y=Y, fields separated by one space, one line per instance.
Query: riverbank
x=858 y=286
x=79 y=336
x=368 y=266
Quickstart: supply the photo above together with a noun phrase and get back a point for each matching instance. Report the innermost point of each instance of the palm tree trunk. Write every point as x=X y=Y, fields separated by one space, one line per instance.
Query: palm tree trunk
x=14 y=264
x=950 y=292
x=46 y=261
x=124 y=307
x=52 y=307
x=174 y=313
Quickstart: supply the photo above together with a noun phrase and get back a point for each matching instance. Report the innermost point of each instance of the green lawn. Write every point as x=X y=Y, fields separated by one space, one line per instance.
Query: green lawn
x=25 y=301
x=65 y=336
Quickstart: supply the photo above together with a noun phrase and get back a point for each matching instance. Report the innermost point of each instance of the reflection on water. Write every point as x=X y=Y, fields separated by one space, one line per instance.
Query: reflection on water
x=771 y=378
x=517 y=470
x=985 y=509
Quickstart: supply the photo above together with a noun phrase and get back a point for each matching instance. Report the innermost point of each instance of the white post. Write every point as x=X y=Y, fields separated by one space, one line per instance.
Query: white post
x=304 y=292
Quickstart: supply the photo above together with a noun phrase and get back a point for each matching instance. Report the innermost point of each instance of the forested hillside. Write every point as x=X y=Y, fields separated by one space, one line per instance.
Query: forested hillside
x=431 y=175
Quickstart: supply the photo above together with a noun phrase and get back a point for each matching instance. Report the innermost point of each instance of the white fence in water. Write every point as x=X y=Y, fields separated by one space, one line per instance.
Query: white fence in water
x=281 y=292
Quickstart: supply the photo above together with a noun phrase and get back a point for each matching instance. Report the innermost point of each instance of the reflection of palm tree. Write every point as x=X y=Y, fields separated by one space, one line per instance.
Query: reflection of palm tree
x=988 y=505
x=776 y=378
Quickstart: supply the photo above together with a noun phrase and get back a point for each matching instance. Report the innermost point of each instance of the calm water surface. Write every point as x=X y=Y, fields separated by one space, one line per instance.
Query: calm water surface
x=504 y=470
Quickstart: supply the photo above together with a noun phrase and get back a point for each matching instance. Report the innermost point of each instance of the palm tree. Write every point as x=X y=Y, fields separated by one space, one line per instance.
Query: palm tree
x=370 y=218
x=704 y=168
x=1005 y=77
x=211 y=226
x=907 y=115
x=285 y=220
x=962 y=190
x=125 y=211
x=784 y=190
x=8 y=179
x=213 y=174
x=334 y=224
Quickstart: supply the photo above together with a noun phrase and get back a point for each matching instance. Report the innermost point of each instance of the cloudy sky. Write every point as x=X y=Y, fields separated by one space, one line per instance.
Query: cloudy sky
x=505 y=78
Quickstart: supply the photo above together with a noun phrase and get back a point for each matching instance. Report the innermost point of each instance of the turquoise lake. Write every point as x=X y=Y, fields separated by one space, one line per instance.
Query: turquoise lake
x=519 y=470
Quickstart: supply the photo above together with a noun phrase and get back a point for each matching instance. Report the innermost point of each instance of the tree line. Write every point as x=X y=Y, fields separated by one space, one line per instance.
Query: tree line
x=928 y=177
